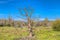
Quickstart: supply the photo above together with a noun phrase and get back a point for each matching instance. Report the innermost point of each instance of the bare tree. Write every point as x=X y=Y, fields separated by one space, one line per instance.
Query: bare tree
x=26 y=14
x=46 y=22
x=10 y=20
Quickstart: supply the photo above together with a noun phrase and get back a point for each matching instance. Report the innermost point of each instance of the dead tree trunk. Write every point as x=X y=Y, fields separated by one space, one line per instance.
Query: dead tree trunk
x=30 y=28
x=27 y=13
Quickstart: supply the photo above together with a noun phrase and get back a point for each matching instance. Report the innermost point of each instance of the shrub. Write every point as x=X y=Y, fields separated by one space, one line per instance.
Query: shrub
x=56 y=25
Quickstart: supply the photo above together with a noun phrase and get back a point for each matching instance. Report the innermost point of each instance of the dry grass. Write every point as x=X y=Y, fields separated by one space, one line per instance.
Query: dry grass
x=41 y=33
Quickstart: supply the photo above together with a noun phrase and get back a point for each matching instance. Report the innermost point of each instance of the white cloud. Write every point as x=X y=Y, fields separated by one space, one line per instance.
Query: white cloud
x=48 y=19
x=41 y=19
x=20 y=19
x=2 y=2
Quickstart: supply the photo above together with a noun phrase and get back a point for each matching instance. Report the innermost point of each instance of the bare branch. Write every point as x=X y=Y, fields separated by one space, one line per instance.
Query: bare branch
x=26 y=12
x=20 y=11
x=21 y=17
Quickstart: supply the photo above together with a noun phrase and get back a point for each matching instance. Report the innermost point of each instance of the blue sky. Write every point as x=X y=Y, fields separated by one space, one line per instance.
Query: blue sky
x=43 y=8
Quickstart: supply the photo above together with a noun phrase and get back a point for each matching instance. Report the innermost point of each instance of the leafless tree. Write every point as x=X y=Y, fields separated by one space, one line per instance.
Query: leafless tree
x=26 y=14
x=46 y=22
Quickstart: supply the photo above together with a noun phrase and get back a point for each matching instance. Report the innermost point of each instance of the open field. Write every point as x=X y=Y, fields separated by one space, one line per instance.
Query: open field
x=41 y=33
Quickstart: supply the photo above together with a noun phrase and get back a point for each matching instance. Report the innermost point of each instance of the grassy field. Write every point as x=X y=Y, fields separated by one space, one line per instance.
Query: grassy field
x=41 y=33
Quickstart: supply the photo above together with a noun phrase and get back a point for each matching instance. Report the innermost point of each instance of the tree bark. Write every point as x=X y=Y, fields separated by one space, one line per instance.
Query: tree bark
x=30 y=28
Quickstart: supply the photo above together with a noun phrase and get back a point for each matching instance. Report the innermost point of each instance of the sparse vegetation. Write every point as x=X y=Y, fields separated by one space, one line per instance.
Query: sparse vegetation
x=10 y=33
x=41 y=33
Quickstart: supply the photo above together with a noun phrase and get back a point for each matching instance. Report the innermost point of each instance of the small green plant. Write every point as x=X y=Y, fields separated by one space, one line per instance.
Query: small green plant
x=56 y=25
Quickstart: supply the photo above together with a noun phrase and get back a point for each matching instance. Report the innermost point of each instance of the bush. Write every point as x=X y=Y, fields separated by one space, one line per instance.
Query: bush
x=56 y=25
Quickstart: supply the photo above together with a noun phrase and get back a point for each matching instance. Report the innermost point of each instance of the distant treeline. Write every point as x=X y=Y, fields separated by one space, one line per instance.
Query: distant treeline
x=13 y=23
